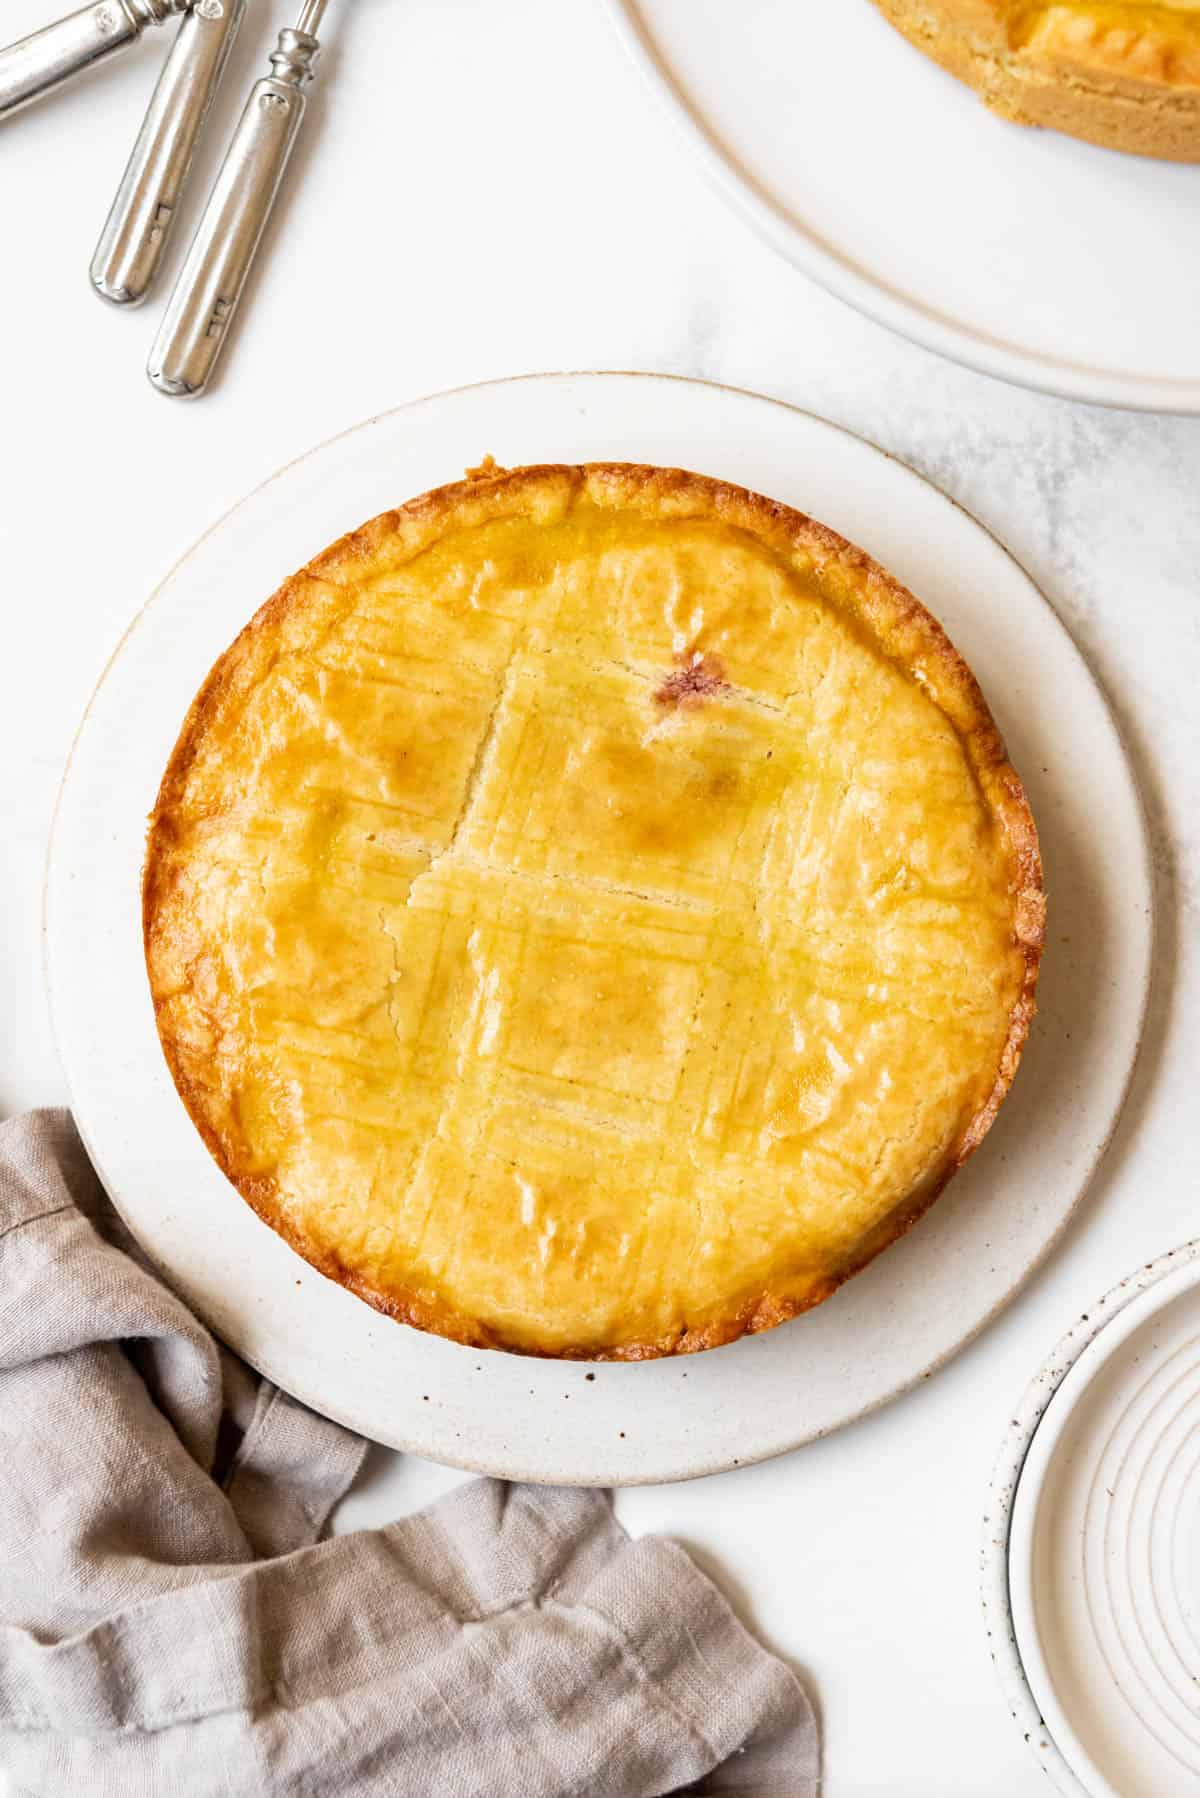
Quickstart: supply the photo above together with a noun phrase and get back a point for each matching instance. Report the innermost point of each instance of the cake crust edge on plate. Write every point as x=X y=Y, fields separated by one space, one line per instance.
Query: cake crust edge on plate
x=1098 y=73
x=898 y=623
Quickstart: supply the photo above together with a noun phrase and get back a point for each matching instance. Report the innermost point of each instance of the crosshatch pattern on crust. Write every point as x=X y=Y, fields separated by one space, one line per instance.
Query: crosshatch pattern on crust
x=589 y=911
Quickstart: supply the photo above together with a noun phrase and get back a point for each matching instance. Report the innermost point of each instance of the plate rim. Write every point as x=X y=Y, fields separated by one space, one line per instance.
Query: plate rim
x=724 y=1461
x=895 y=311
x=996 y=1548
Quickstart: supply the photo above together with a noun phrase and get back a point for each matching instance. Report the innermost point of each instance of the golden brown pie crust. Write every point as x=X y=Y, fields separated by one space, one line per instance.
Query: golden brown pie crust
x=234 y=891
x=1121 y=73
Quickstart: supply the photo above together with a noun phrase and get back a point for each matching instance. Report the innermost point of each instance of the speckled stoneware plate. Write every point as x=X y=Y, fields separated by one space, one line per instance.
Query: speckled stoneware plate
x=1089 y=1559
x=916 y=1304
x=1022 y=253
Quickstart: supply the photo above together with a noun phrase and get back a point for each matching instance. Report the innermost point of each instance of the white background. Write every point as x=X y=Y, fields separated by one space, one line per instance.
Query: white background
x=481 y=190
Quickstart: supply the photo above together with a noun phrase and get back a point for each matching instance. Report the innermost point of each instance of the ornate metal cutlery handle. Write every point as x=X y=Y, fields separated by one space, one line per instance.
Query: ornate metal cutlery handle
x=37 y=64
x=135 y=237
x=211 y=282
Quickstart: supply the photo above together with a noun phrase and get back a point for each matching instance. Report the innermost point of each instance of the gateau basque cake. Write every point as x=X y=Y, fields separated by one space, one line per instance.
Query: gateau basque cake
x=589 y=911
x=1125 y=73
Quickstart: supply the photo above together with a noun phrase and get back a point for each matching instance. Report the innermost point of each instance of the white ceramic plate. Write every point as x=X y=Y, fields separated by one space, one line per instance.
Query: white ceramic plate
x=1092 y=1545
x=914 y=1306
x=1022 y=253
x=1105 y=1552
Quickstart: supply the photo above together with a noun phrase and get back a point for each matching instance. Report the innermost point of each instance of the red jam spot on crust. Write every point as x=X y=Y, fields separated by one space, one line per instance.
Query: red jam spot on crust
x=697 y=678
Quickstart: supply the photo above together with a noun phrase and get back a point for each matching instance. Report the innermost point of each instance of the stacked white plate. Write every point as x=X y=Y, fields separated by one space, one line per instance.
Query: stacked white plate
x=1092 y=1549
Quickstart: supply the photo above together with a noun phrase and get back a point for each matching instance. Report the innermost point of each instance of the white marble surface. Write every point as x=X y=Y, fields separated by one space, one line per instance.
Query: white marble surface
x=484 y=191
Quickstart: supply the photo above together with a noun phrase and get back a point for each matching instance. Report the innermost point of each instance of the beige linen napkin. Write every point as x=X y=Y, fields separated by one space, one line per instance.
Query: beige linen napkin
x=171 y=1624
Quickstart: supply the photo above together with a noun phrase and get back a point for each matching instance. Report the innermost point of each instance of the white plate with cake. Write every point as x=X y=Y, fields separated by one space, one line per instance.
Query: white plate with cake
x=855 y=137
x=589 y=912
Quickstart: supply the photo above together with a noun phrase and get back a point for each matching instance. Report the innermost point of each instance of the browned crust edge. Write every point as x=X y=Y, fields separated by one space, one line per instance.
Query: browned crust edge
x=1115 y=99
x=899 y=624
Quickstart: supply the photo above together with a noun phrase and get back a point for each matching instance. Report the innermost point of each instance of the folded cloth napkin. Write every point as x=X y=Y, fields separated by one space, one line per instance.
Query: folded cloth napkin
x=171 y=1625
